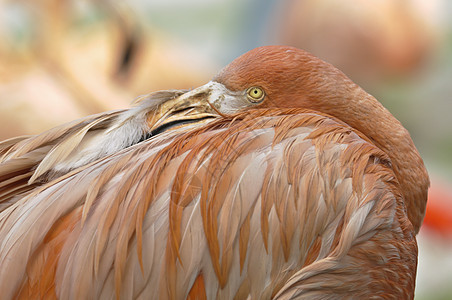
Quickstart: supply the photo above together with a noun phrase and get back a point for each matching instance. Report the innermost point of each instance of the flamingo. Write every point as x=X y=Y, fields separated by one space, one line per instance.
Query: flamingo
x=278 y=179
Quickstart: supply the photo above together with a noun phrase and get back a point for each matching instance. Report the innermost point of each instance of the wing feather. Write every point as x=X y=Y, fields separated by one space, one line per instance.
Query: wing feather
x=30 y=161
x=249 y=207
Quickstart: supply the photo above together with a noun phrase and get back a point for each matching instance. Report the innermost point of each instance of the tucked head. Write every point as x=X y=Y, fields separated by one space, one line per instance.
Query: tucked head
x=287 y=77
x=275 y=77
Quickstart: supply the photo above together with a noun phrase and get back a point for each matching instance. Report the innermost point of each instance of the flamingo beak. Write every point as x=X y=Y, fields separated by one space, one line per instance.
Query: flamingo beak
x=188 y=108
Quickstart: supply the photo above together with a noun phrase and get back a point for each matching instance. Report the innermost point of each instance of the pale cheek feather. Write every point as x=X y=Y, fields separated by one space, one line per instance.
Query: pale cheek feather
x=129 y=128
x=80 y=142
x=225 y=101
x=97 y=144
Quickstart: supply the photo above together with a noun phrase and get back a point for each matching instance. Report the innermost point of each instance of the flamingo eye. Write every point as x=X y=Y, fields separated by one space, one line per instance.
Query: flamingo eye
x=255 y=94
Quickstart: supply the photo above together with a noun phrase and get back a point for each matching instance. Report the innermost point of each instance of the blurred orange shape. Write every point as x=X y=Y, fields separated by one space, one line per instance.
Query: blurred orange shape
x=438 y=216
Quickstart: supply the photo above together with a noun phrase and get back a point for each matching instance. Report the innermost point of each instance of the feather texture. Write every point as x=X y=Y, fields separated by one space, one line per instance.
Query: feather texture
x=28 y=162
x=265 y=204
x=312 y=191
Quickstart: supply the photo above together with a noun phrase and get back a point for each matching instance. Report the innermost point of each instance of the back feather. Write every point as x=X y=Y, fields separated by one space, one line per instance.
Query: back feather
x=292 y=204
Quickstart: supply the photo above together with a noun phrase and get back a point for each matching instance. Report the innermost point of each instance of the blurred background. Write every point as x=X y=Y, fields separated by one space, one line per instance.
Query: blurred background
x=63 y=59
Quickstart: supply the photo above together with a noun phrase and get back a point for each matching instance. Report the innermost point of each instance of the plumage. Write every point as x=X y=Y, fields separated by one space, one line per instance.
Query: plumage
x=202 y=195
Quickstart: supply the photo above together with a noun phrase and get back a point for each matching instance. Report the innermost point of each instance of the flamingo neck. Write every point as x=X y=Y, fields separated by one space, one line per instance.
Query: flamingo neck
x=363 y=112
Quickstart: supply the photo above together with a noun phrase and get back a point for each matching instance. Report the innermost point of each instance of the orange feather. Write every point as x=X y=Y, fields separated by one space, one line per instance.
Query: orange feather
x=313 y=190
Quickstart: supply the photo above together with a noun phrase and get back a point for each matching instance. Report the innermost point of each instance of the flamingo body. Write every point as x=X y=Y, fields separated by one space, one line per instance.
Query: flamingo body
x=247 y=201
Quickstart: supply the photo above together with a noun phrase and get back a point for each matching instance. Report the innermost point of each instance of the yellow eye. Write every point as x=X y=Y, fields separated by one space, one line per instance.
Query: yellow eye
x=255 y=94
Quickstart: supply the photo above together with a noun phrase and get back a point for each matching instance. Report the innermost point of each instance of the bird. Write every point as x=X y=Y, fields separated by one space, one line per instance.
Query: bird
x=280 y=178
